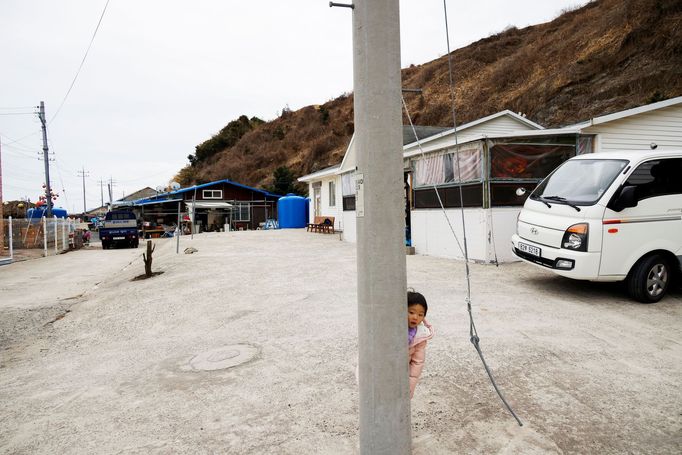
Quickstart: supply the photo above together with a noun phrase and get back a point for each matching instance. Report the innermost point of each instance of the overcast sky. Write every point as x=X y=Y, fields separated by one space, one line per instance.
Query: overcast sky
x=165 y=75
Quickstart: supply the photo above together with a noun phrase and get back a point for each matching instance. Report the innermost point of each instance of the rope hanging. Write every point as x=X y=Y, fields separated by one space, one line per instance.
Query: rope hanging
x=473 y=333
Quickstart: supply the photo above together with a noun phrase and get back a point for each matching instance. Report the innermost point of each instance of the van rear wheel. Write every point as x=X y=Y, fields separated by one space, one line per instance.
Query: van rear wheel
x=649 y=279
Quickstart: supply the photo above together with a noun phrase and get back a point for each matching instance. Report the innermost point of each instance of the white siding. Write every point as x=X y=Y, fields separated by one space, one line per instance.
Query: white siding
x=662 y=126
x=488 y=233
x=349 y=226
x=431 y=234
x=498 y=126
x=502 y=225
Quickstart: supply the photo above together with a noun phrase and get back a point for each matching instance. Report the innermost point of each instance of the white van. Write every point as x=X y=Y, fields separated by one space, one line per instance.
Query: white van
x=608 y=217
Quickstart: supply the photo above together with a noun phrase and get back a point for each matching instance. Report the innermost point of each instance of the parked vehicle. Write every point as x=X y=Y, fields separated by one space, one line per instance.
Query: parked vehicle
x=120 y=227
x=608 y=217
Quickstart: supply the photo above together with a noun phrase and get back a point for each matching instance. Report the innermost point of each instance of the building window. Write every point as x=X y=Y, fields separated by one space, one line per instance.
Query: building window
x=241 y=211
x=212 y=194
x=447 y=168
x=332 y=194
x=348 y=184
x=348 y=190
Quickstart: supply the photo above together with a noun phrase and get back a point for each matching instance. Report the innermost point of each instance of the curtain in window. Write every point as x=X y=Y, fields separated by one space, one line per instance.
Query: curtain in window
x=442 y=168
x=429 y=170
x=584 y=145
x=469 y=165
x=348 y=183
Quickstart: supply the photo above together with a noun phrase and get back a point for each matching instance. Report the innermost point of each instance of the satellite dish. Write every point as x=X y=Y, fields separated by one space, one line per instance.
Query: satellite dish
x=175 y=186
x=160 y=188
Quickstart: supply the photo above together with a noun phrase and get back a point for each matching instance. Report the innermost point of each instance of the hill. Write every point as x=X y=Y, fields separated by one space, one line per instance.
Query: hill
x=604 y=57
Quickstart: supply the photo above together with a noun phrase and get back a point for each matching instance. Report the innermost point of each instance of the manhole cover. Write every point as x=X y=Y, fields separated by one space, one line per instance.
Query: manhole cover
x=225 y=357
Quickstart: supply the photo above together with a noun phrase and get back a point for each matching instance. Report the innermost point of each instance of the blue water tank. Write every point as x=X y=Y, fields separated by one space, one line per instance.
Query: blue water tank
x=36 y=214
x=292 y=211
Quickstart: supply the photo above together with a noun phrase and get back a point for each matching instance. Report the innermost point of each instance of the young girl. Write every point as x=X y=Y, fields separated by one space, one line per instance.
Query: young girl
x=418 y=333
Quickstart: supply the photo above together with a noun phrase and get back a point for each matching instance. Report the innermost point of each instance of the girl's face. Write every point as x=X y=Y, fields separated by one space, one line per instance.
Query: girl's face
x=415 y=315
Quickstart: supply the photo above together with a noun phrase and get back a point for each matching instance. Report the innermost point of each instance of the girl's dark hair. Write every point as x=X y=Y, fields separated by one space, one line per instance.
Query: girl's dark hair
x=415 y=298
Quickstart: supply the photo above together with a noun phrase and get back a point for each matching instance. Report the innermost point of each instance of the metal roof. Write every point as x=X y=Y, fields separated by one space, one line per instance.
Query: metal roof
x=161 y=197
x=154 y=201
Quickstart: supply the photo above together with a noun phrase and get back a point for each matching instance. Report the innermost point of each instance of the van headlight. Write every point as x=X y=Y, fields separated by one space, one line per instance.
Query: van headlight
x=575 y=237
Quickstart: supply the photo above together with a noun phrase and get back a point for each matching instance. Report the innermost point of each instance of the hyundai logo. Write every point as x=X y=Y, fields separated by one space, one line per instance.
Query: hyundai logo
x=533 y=231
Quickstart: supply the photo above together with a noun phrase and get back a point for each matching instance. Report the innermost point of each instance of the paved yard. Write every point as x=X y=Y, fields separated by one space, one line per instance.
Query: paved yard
x=92 y=362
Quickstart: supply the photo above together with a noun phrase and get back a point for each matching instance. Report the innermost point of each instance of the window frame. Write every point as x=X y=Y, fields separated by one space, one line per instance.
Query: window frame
x=205 y=196
x=240 y=207
x=332 y=193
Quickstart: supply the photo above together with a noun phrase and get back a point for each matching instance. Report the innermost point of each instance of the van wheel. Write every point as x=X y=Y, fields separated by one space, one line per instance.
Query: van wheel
x=649 y=279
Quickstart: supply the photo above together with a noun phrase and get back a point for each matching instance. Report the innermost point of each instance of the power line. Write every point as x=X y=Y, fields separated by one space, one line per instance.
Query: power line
x=82 y=63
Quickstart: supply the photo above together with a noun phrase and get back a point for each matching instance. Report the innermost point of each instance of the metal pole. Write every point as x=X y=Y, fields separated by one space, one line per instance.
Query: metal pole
x=46 y=159
x=194 y=211
x=45 y=235
x=11 y=240
x=56 y=241
x=380 y=211
x=177 y=232
x=64 y=236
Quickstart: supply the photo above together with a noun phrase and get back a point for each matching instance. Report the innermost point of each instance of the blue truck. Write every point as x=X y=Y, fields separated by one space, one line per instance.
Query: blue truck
x=120 y=227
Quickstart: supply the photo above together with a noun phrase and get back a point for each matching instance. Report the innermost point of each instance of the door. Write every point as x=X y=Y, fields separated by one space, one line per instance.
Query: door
x=656 y=221
x=408 y=207
x=317 y=200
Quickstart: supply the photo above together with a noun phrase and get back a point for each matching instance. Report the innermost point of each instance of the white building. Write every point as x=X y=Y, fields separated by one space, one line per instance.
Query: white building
x=497 y=155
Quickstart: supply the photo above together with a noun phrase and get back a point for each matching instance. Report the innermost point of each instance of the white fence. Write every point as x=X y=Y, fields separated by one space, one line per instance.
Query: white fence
x=44 y=237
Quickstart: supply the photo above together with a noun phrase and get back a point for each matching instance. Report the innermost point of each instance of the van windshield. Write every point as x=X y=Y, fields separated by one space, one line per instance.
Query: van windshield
x=579 y=182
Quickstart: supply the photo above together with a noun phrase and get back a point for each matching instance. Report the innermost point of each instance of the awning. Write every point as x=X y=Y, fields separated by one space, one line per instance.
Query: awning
x=209 y=204
x=159 y=201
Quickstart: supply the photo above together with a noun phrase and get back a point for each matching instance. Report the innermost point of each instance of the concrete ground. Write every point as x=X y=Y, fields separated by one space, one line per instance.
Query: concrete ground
x=92 y=362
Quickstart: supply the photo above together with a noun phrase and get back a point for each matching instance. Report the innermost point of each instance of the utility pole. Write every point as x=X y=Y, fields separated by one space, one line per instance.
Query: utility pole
x=46 y=159
x=380 y=210
x=101 y=190
x=111 y=185
x=83 y=173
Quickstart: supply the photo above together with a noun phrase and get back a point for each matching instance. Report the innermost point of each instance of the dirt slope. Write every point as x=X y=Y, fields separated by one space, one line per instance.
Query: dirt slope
x=604 y=57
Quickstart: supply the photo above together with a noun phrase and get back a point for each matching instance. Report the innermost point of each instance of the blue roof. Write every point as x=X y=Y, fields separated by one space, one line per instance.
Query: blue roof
x=163 y=197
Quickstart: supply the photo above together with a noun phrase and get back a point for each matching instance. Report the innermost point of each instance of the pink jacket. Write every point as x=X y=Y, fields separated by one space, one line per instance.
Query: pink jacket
x=417 y=353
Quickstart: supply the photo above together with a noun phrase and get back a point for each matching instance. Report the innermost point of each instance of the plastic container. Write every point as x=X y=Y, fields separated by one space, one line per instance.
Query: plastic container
x=35 y=215
x=292 y=211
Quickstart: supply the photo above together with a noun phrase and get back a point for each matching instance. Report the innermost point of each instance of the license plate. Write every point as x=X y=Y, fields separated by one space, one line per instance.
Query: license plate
x=119 y=238
x=530 y=249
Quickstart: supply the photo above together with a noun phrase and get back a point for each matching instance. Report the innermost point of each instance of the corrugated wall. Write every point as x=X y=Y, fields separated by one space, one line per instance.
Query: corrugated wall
x=663 y=126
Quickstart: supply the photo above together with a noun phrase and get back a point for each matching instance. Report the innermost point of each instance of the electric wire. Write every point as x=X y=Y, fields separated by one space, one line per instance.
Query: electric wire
x=473 y=333
x=81 y=65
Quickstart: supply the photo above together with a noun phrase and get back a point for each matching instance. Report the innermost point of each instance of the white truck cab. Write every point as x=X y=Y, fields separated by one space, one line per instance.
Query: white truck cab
x=608 y=217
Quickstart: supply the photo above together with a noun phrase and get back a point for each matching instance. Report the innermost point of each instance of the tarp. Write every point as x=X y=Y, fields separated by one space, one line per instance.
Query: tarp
x=210 y=204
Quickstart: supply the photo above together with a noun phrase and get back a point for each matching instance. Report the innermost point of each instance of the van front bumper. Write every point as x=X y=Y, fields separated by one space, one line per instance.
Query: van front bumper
x=579 y=265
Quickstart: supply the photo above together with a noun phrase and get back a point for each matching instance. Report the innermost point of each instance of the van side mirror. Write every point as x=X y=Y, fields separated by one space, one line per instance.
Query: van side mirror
x=625 y=198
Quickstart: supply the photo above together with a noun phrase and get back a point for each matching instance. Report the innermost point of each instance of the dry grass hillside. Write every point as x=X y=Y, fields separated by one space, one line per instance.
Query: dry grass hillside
x=604 y=57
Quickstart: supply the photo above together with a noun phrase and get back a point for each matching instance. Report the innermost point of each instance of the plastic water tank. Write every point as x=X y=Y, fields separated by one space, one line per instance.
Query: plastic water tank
x=292 y=211
x=36 y=214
